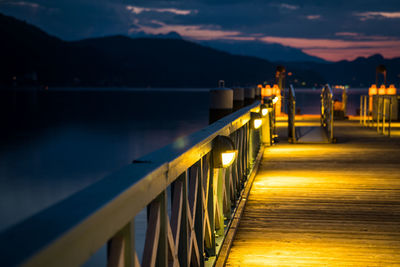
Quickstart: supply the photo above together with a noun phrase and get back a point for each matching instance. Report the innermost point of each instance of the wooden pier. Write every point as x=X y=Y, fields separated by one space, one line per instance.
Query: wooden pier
x=324 y=204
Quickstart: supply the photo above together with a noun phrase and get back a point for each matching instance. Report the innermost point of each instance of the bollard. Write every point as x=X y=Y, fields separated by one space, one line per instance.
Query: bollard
x=238 y=98
x=221 y=103
x=249 y=95
x=258 y=93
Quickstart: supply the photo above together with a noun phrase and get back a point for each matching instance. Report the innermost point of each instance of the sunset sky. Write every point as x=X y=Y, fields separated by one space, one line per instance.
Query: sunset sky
x=332 y=30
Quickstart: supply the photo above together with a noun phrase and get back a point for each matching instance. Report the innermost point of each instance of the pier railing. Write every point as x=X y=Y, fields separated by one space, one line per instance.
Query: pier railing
x=327 y=111
x=202 y=200
x=291 y=104
x=376 y=111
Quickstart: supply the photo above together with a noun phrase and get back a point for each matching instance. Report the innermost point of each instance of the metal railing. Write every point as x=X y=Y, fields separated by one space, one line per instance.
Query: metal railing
x=365 y=111
x=376 y=111
x=202 y=201
x=291 y=107
x=327 y=111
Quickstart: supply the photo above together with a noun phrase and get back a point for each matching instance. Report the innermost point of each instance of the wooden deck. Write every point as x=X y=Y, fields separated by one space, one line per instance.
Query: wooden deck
x=324 y=204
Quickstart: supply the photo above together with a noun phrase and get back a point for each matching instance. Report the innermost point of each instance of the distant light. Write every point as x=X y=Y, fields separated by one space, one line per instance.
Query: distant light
x=275 y=100
x=382 y=90
x=257 y=123
x=391 y=90
x=373 y=90
x=264 y=111
x=228 y=157
x=290 y=74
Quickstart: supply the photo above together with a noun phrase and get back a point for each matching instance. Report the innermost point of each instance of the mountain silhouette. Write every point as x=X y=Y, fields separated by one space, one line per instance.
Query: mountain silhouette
x=357 y=73
x=123 y=61
x=29 y=56
x=271 y=52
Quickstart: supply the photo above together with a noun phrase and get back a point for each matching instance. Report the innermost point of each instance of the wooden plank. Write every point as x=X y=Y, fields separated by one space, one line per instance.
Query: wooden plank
x=324 y=204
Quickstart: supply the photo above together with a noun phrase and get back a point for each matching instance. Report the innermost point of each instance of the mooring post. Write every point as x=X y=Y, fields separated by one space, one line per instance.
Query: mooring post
x=238 y=98
x=221 y=103
x=249 y=95
x=257 y=93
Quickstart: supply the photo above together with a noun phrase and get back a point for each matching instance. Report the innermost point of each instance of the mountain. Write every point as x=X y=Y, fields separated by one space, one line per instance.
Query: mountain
x=271 y=52
x=170 y=35
x=357 y=73
x=123 y=61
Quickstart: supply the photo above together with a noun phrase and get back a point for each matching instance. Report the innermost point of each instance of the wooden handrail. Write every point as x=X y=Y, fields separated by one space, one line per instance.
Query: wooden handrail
x=71 y=231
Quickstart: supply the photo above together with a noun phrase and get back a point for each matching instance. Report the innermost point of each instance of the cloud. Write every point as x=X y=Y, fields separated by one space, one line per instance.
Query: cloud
x=288 y=6
x=351 y=34
x=313 y=17
x=24 y=4
x=377 y=15
x=360 y=36
x=335 y=50
x=138 y=10
x=196 y=32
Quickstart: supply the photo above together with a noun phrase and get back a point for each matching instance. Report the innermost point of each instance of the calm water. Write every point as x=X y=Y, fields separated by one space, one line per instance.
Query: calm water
x=55 y=143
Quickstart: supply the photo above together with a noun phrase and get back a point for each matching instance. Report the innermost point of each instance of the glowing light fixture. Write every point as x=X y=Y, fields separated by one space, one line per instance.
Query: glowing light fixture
x=223 y=152
x=256 y=120
x=228 y=158
x=382 y=90
x=275 y=99
x=373 y=90
x=264 y=111
x=391 y=90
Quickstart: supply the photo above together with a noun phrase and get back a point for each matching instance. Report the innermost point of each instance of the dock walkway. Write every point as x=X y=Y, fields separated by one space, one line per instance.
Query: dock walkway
x=324 y=204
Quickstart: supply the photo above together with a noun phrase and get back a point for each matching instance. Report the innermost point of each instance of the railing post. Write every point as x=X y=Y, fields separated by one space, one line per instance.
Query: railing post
x=390 y=115
x=384 y=115
x=183 y=247
x=378 y=113
x=361 y=109
x=266 y=137
x=162 y=251
x=210 y=246
x=121 y=248
x=199 y=210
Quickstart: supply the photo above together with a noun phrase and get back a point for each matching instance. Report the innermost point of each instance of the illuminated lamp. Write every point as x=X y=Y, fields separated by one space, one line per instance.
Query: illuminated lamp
x=275 y=99
x=223 y=152
x=382 y=90
x=264 y=111
x=256 y=120
x=373 y=90
x=276 y=90
x=266 y=91
x=391 y=90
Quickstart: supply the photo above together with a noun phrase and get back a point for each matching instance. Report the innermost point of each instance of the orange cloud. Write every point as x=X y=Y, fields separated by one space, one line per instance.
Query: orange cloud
x=138 y=10
x=335 y=50
x=373 y=15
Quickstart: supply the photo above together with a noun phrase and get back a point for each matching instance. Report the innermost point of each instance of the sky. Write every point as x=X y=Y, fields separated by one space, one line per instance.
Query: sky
x=330 y=29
